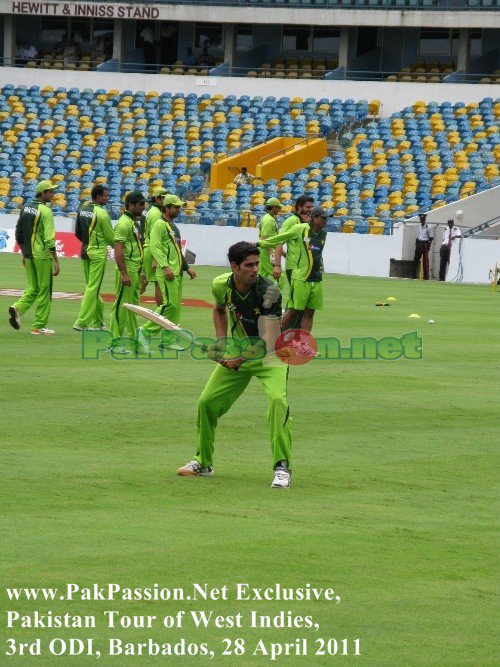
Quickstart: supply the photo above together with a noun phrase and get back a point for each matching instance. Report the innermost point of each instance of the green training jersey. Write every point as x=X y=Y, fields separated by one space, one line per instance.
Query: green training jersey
x=35 y=232
x=307 y=246
x=290 y=222
x=165 y=246
x=93 y=228
x=152 y=216
x=267 y=227
x=244 y=310
x=127 y=232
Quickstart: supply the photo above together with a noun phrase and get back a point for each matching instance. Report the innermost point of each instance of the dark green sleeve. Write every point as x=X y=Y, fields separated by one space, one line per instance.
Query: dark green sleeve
x=78 y=229
x=20 y=232
x=49 y=234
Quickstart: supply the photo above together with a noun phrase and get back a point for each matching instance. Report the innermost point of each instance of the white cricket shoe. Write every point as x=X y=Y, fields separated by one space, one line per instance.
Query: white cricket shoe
x=194 y=469
x=42 y=332
x=282 y=477
x=172 y=346
x=119 y=350
x=143 y=341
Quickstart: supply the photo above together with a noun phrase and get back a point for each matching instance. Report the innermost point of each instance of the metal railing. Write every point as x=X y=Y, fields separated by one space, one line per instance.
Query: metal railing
x=341 y=73
x=259 y=72
x=51 y=63
x=472 y=231
x=288 y=149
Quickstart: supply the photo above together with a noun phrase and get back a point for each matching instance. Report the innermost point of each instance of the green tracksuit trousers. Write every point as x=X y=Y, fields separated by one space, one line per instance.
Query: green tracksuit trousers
x=39 y=274
x=171 y=291
x=92 y=306
x=147 y=265
x=122 y=319
x=224 y=387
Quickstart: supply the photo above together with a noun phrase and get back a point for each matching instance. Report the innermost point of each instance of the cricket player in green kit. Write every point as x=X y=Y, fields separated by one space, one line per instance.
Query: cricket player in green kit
x=35 y=236
x=165 y=246
x=241 y=298
x=302 y=213
x=94 y=230
x=306 y=241
x=153 y=214
x=128 y=257
x=269 y=227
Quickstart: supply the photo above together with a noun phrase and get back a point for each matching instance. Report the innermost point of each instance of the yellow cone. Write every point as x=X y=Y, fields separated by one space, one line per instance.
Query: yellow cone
x=391 y=298
x=414 y=316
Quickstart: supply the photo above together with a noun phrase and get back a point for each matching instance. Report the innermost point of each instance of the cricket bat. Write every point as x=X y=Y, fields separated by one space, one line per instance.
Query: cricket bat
x=166 y=324
x=169 y=325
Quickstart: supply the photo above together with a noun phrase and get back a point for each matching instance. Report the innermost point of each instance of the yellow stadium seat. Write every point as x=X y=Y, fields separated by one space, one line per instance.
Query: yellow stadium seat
x=374 y=107
x=348 y=226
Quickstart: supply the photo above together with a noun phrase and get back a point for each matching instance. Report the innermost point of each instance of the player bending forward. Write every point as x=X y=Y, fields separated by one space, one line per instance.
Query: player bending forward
x=241 y=297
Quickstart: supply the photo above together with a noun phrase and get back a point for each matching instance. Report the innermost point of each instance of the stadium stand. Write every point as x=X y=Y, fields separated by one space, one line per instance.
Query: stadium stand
x=379 y=169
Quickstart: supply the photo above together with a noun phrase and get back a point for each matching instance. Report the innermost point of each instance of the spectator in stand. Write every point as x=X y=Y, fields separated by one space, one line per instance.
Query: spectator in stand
x=70 y=54
x=23 y=53
x=205 y=59
x=243 y=178
x=32 y=52
x=60 y=46
x=20 y=54
x=148 y=39
x=189 y=60
x=98 y=49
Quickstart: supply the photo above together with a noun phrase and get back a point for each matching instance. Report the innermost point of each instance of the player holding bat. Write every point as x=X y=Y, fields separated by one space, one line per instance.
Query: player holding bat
x=165 y=247
x=241 y=298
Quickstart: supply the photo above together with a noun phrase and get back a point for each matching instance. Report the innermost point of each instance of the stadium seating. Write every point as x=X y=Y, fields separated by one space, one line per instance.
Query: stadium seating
x=293 y=68
x=381 y=169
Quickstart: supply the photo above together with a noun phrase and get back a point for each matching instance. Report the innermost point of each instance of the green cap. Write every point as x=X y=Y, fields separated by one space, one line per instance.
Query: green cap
x=173 y=200
x=159 y=192
x=43 y=186
x=273 y=202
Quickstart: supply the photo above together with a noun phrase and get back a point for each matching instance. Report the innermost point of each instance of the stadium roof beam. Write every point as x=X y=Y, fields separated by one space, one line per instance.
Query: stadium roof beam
x=390 y=17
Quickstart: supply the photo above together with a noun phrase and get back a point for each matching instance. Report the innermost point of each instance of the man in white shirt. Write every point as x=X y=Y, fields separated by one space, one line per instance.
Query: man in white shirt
x=148 y=39
x=450 y=234
x=243 y=178
x=422 y=247
x=32 y=52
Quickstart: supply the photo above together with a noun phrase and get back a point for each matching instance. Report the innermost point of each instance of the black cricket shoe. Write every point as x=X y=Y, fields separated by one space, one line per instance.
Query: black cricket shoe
x=14 y=318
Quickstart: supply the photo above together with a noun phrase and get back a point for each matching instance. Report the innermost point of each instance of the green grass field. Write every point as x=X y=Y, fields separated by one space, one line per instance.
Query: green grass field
x=393 y=498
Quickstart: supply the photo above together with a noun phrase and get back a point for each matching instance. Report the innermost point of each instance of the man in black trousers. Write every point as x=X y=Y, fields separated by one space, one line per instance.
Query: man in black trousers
x=422 y=247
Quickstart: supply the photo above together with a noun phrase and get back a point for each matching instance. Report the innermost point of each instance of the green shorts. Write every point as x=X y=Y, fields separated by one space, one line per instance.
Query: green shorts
x=306 y=295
